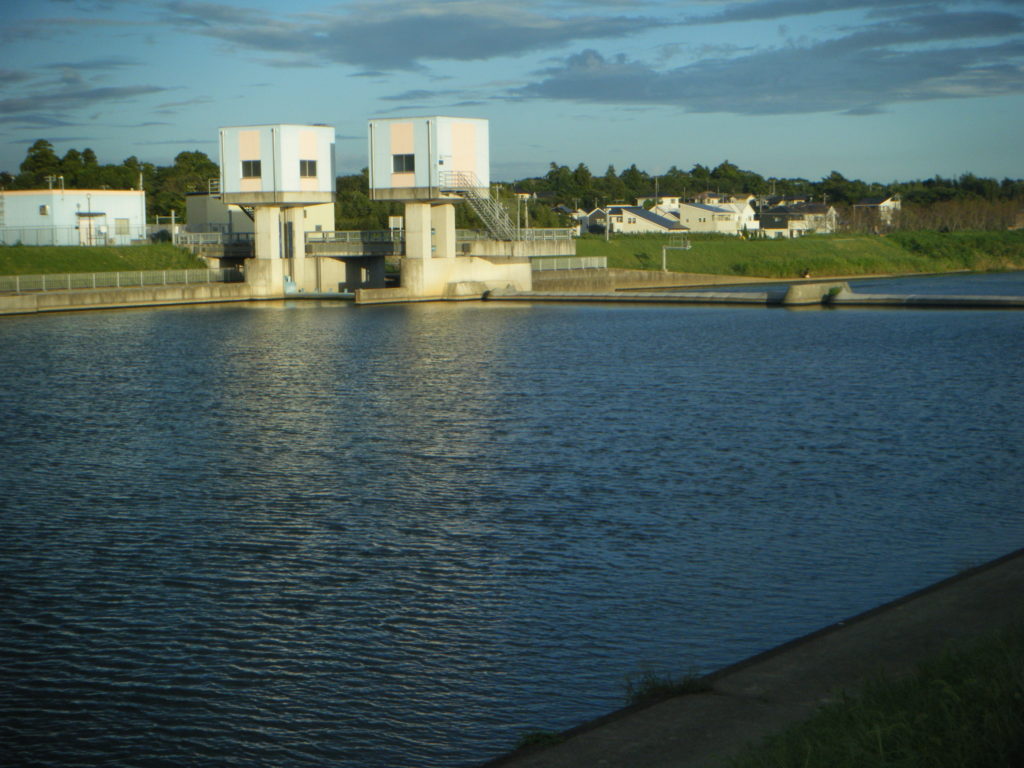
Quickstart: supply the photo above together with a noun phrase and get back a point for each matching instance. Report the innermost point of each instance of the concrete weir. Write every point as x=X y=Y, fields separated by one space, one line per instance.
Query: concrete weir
x=828 y=294
x=794 y=295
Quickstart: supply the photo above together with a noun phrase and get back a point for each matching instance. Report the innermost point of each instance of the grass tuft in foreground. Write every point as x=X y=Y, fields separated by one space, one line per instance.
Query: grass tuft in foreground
x=964 y=709
x=648 y=687
x=539 y=739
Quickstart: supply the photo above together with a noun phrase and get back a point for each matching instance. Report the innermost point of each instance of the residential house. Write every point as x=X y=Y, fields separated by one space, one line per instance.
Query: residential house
x=632 y=220
x=718 y=198
x=880 y=209
x=799 y=219
x=726 y=219
x=667 y=203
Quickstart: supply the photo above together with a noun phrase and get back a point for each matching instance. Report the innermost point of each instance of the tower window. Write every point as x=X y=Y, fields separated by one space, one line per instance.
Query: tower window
x=404 y=163
x=307 y=169
x=251 y=169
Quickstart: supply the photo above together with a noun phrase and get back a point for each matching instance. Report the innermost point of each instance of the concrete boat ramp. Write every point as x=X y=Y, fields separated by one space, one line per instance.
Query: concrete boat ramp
x=828 y=294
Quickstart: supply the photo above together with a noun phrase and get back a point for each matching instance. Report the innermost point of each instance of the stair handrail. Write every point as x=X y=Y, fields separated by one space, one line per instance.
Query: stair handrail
x=493 y=214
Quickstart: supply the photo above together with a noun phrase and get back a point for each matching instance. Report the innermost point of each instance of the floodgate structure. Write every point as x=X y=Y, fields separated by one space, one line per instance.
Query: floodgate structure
x=282 y=178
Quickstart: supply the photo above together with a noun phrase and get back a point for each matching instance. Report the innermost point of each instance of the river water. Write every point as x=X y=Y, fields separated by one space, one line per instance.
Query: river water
x=302 y=534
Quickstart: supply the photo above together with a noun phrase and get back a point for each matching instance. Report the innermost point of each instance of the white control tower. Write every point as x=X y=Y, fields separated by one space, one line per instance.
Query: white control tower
x=275 y=171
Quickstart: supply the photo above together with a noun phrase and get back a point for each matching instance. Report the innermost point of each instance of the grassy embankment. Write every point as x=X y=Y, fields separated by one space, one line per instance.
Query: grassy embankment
x=965 y=708
x=822 y=255
x=962 y=709
x=47 y=260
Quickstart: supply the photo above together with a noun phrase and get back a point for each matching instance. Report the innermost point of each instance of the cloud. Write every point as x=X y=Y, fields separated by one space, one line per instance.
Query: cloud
x=420 y=94
x=114 y=62
x=33 y=120
x=925 y=57
x=50 y=28
x=763 y=10
x=13 y=76
x=175 y=142
x=66 y=99
x=389 y=35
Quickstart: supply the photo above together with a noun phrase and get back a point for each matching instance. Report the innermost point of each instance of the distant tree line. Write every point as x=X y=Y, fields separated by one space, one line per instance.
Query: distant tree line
x=580 y=188
x=968 y=201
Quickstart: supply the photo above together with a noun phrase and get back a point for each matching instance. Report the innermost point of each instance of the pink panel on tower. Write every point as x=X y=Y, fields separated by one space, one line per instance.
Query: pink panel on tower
x=464 y=147
x=402 y=139
x=249 y=145
x=307 y=145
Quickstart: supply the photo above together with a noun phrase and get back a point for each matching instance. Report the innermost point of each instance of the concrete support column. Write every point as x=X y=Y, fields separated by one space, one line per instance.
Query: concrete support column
x=417 y=231
x=268 y=232
x=296 y=218
x=443 y=220
x=265 y=272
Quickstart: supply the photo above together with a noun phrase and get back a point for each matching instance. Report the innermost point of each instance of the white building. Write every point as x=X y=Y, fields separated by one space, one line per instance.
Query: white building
x=422 y=158
x=723 y=219
x=277 y=171
x=277 y=165
x=72 y=216
x=634 y=220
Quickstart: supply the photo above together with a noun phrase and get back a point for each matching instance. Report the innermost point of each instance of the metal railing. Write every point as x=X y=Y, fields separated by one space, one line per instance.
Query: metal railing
x=212 y=238
x=72 y=235
x=550 y=263
x=357 y=236
x=490 y=211
x=133 y=279
x=469 y=235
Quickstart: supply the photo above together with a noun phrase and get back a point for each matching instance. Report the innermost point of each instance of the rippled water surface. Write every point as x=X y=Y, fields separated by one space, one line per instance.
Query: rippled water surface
x=304 y=535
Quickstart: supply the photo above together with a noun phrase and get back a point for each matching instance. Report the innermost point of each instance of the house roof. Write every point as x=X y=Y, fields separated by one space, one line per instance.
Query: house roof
x=874 y=200
x=711 y=208
x=643 y=213
x=800 y=209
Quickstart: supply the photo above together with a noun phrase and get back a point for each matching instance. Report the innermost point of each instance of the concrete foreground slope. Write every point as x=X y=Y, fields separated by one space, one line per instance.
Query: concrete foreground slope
x=768 y=692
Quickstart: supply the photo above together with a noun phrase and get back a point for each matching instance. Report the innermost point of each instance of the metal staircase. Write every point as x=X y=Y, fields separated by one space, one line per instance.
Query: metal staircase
x=490 y=211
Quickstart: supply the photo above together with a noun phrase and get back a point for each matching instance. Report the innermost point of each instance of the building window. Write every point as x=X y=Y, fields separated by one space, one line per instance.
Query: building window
x=307 y=169
x=404 y=163
x=44 y=210
x=251 y=169
x=121 y=226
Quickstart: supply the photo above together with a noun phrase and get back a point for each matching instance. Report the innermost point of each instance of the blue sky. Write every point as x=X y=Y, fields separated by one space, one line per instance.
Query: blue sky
x=877 y=89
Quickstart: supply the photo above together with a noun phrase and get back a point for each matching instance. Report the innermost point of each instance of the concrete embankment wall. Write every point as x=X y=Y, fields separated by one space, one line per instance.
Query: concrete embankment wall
x=58 y=301
x=848 y=298
x=520 y=249
x=591 y=280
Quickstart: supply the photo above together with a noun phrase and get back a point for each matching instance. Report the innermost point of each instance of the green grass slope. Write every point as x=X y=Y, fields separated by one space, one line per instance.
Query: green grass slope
x=822 y=255
x=46 y=260
x=964 y=709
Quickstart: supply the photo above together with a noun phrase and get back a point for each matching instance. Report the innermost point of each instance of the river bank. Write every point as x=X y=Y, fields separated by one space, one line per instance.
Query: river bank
x=56 y=259
x=747 y=701
x=847 y=255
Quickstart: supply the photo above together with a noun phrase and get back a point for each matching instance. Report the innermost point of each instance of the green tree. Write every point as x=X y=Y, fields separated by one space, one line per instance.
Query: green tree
x=191 y=172
x=40 y=161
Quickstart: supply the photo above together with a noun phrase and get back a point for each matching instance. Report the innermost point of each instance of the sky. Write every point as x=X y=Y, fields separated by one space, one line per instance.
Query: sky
x=879 y=90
